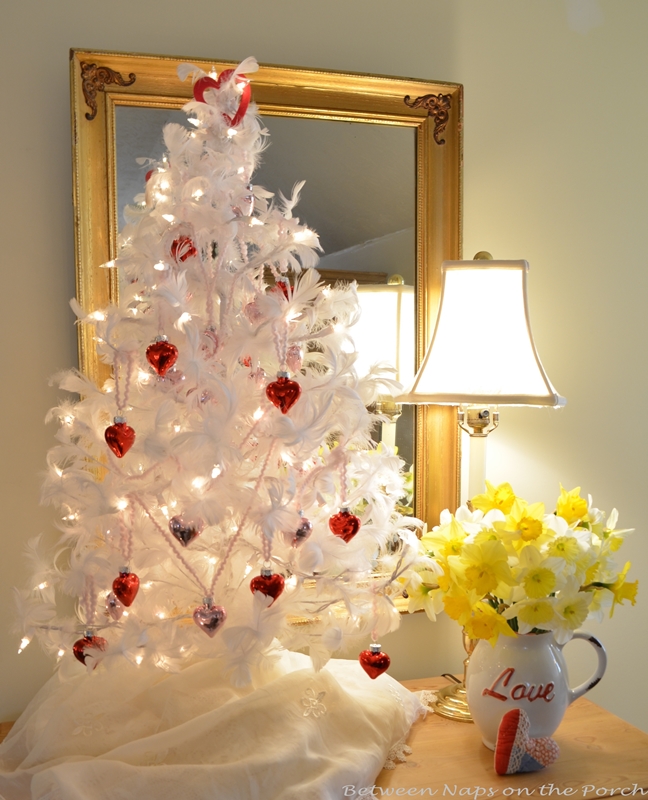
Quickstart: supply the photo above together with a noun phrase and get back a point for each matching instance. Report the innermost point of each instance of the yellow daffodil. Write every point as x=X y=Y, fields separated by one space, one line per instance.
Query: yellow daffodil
x=571 y=506
x=524 y=524
x=486 y=623
x=482 y=567
x=499 y=497
x=505 y=559
x=527 y=520
x=446 y=540
x=458 y=606
x=622 y=590
x=565 y=547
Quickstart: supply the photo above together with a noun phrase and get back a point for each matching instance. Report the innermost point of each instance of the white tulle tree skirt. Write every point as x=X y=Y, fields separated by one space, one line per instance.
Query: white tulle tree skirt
x=129 y=733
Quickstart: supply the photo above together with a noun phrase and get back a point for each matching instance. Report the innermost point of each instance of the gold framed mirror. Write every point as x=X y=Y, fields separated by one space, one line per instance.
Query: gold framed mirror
x=399 y=150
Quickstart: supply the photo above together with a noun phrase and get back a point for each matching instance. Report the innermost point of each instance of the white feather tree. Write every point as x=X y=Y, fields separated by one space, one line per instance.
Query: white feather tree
x=233 y=431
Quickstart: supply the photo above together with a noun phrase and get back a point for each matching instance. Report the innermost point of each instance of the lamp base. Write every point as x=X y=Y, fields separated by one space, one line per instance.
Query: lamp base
x=451 y=701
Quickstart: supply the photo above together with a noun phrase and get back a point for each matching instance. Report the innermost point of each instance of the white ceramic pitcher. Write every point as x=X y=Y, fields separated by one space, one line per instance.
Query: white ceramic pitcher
x=527 y=672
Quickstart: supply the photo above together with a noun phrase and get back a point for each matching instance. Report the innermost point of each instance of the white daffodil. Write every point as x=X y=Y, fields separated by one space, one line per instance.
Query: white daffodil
x=601 y=605
x=423 y=592
x=473 y=522
x=533 y=614
x=571 y=608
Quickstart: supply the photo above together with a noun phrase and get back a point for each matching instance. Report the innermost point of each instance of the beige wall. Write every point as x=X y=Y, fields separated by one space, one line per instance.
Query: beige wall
x=556 y=132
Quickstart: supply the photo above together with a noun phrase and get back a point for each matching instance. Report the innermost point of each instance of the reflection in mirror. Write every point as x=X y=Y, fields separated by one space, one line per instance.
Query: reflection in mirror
x=359 y=196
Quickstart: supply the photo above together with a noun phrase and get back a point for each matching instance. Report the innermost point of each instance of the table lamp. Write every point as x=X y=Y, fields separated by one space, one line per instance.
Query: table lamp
x=385 y=332
x=482 y=356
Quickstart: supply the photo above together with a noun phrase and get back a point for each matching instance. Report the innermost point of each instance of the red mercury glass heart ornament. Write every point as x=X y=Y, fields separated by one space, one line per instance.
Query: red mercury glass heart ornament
x=114 y=608
x=268 y=583
x=282 y=286
x=120 y=437
x=161 y=355
x=125 y=586
x=344 y=524
x=184 y=531
x=89 y=642
x=303 y=531
x=208 y=617
x=283 y=393
x=183 y=248
x=373 y=661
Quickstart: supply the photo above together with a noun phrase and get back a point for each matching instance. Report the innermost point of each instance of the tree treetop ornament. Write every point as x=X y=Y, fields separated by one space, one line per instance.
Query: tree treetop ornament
x=224 y=480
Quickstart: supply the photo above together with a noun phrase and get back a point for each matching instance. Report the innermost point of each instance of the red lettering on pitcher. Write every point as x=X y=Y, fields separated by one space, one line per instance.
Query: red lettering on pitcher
x=521 y=691
x=491 y=692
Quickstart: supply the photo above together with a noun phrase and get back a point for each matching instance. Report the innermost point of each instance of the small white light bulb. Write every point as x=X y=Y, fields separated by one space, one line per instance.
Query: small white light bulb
x=23 y=643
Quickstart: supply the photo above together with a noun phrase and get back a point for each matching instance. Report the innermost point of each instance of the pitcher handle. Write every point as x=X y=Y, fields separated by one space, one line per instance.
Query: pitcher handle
x=579 y=691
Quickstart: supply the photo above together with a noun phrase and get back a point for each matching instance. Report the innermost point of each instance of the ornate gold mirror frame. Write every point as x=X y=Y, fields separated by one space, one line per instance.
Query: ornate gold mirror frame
x=102 y=81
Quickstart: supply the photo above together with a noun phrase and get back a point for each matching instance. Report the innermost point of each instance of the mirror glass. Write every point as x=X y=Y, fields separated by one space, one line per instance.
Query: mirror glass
x=381 y=157
x=359 y=196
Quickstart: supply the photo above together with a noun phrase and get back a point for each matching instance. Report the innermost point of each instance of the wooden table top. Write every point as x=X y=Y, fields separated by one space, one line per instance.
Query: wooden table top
x=600 y=756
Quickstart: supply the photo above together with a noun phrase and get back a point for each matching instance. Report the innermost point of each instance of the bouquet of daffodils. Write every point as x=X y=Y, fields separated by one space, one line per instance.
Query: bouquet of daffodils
x=500 y=565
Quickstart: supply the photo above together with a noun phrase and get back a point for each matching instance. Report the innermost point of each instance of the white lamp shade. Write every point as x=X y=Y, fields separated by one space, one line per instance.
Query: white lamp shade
x=482 y=351
x=385 y=332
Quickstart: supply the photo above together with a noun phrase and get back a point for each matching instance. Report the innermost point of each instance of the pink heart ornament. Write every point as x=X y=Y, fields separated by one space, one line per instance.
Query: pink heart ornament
x=209 y=618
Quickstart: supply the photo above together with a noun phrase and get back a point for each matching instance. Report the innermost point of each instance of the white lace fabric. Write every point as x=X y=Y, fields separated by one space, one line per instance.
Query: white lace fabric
x=140 y=734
